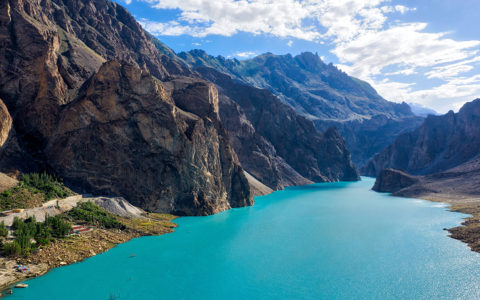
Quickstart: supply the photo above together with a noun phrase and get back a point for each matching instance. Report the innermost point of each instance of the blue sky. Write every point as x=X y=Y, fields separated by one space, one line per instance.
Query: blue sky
x=427 y=51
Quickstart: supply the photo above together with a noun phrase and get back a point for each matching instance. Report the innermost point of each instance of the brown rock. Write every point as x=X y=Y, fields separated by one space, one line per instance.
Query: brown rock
x=114 y=130
x=5 y=123
x=275 y=144
x=125 y=136
x=391 y=181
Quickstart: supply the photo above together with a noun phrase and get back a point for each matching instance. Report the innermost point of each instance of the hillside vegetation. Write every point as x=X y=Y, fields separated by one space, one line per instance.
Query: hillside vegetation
x=32 y=190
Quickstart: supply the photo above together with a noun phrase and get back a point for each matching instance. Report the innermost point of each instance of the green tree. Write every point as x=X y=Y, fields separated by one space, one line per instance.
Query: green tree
x=93 y=214
x=59 y=228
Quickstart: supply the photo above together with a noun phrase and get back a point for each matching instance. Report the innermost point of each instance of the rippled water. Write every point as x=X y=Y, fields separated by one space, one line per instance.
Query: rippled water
x=323 y=241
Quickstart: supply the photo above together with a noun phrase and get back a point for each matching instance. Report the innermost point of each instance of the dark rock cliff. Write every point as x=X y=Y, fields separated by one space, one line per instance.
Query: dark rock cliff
x=92 y=99
x=440 y=143
x=458 y=184
x=5 y=123
x=274 y=143
x=390 y=181
x=323 y=94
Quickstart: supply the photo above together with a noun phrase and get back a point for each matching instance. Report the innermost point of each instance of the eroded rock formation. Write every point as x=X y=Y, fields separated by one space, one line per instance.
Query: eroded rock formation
x=440 y=143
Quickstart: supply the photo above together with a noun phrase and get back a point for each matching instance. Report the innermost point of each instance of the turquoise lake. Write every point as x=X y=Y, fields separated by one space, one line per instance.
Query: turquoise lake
x=322 y=241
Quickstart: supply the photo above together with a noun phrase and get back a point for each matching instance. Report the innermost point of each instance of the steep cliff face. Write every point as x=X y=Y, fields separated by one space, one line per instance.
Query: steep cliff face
x=50 y=47
x=92 y=99
x=439 y=144
x=323 y=94
x=274 y=143
x=391 y=180
x=124 y=135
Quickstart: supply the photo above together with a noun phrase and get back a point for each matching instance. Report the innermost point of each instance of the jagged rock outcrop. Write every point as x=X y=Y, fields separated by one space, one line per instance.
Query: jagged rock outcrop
x=275 y=144
x=391 y=180
x=323 y=94
x=5 y=123
x=50 y=47
x=439 y=144
x=256 y=187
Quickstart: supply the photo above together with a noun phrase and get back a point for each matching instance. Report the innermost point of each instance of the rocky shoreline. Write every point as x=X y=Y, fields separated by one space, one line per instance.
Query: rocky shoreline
x=76 y=248
x=456 y=186
x=452 y=187
x=469 y=231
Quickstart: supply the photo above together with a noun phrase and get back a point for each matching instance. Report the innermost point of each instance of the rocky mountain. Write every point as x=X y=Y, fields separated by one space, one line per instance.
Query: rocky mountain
x=323 y=94
x=443 y=155
x=92 y=99
x=89 y=95
x=165 y=147
x=274 y=143
x=439 y=144
x=458 y=185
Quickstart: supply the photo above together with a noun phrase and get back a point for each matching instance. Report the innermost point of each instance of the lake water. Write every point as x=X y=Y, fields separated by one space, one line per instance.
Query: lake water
x=323 y=241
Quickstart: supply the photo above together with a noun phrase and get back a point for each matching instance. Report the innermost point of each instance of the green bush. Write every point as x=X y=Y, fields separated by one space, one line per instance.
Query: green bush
x=12 y=249
x=58 y=227
x=17 y=223
x=32 y=190
x=3 y=229
x=93 y=214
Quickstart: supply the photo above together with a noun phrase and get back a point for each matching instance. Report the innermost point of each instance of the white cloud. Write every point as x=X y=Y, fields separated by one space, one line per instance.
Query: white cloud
x=127 y=2
x=290 y=43
x=365 y=51
x=169 y=28
x=394 y=91
x=450 y=95
x=453 y=70
x=444 y=97
x=403 y=9
x=405 y=44
x=360 y=33
x=245 y=54
x=203 y=17
x=407 y=71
